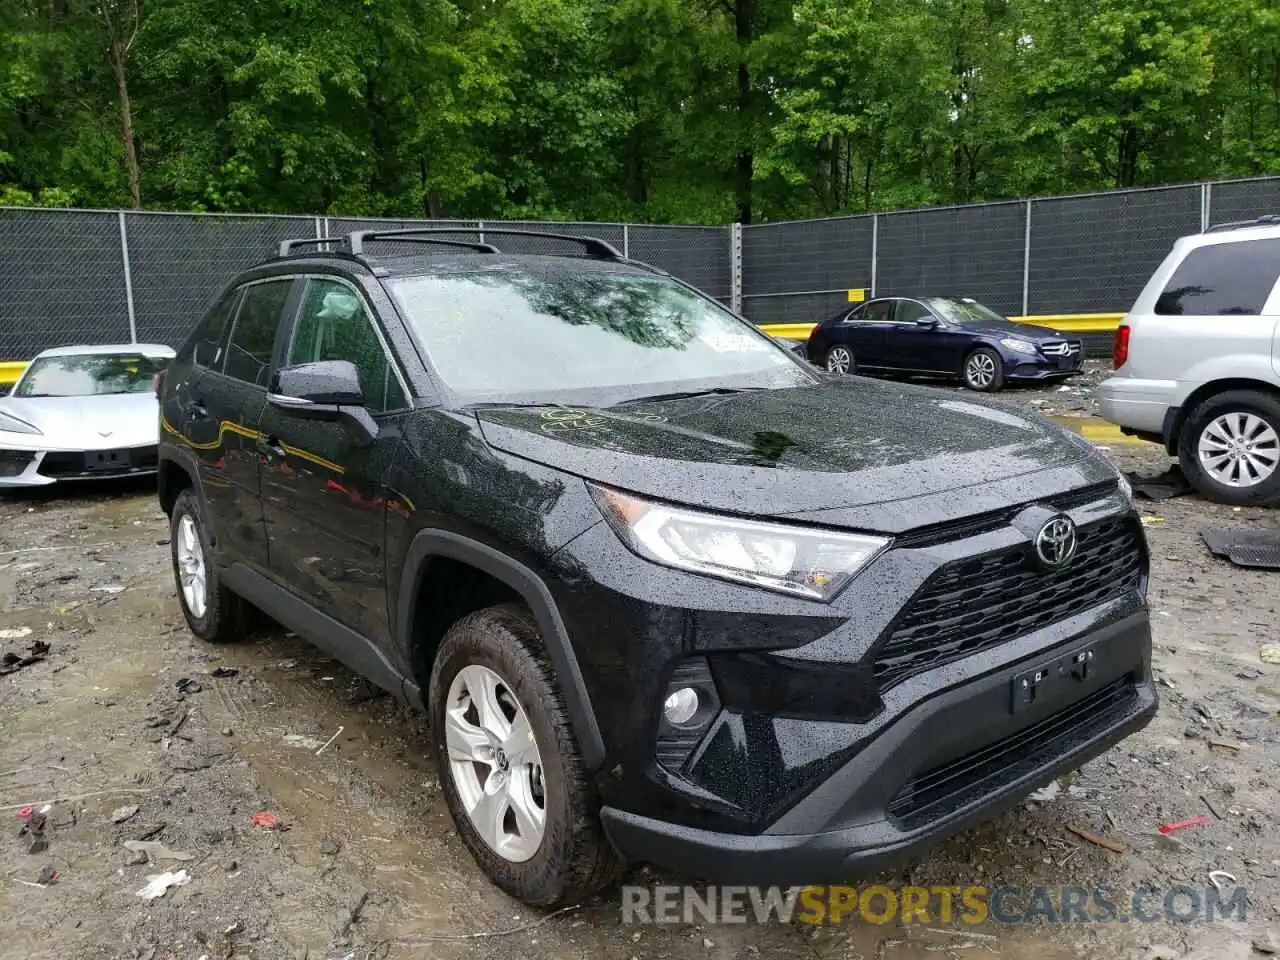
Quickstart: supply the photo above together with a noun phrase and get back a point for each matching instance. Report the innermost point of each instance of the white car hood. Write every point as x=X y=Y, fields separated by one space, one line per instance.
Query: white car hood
x=83 y=423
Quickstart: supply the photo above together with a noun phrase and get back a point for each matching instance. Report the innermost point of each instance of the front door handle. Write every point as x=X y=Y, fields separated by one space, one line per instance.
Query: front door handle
x=269 y=447
x=195 y=408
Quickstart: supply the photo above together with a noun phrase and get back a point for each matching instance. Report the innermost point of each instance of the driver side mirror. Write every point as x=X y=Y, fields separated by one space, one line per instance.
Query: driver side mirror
x=926 y=321
x=325 y=390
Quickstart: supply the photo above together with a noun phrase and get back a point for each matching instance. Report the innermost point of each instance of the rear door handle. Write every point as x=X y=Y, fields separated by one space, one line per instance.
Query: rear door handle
x=269 y=447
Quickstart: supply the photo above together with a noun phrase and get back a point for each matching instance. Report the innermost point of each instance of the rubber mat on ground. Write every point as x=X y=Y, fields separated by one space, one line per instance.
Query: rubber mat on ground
x=1167 y=485
x=1245 y=548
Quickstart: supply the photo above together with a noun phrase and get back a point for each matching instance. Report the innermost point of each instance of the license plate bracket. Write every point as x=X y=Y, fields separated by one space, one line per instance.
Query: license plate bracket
x=1032 y=684
x=105 y=460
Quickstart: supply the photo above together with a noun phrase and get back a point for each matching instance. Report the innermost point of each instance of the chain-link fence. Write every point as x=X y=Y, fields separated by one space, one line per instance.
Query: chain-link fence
x=93 y=276
x=1053 y=256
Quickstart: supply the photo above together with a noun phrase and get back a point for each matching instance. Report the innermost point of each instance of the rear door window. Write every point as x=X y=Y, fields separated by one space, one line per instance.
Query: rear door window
x=1225 y=279
x=253 y=337
x=211 y=335
x=878 y=311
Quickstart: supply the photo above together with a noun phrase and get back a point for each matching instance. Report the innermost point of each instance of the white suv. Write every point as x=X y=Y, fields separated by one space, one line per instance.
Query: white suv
x=1197 y=362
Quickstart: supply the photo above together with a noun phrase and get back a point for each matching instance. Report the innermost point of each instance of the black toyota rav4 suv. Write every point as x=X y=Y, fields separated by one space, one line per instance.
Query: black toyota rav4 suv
x=666 y=593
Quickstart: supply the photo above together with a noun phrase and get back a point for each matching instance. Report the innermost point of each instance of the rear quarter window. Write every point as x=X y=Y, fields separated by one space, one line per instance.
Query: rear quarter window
x=1224 y=279
x=210 y=337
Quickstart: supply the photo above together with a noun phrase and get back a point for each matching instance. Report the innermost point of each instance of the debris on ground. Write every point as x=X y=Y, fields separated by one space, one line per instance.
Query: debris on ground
x=1169 y=828
x=301 y=741
x=188 y=686
x=1267 y=944
x=266 y=820
x=13 y=662
x=1164 y=486
x=121 y=814
x=325 y=746
x=330 y=847
x=1046 y=793
x=157 y=851
x=1270 y=653
x=223 y=672
x=158 y=884
x=15 y=633
x=33 y=829
x=1152 y=520
x=1107 y=843
x=1245 y=548
x=47 y=876
x=1218 y=877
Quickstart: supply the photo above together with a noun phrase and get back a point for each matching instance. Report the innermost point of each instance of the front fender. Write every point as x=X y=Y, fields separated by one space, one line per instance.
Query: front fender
x=525 y=582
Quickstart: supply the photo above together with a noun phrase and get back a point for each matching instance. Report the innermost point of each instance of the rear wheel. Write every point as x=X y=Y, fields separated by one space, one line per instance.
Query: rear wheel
x=509 y=764
x=1229 y=447
x=840 y=360
x=983 y=370
x=212 y=611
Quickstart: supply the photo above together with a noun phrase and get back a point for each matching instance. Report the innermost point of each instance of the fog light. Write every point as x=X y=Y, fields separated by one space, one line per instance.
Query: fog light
x=681 y=706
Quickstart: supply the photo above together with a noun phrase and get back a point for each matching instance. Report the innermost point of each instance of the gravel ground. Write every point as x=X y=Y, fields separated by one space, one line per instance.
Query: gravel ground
x=365 y=863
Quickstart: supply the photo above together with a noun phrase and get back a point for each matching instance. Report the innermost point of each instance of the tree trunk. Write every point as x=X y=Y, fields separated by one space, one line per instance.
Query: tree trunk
x=120 y=68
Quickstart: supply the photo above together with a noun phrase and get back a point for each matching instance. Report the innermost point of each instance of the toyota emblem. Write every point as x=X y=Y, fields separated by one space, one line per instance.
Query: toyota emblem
x=1056 y=542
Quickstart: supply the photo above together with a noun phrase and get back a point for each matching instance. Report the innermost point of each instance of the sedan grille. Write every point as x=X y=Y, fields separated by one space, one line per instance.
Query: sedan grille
x=981 y=602
x=1064 y=348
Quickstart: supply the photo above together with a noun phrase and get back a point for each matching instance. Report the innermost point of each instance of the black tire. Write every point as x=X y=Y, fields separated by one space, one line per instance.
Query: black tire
x=574 y=859
x=1261 y=405
x=837 y=351
x=224 y=619
x=970 y=376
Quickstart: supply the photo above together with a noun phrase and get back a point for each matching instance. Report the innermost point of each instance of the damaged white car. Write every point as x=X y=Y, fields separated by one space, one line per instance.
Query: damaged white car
x=82 y=413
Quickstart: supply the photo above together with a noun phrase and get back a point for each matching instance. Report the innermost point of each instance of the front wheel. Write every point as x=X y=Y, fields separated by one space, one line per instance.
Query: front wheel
x=984 y=370
x=1229 y=448
x=840 y=360
x=509 y=763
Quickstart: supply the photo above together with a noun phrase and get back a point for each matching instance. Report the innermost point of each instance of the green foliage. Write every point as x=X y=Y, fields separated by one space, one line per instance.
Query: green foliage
x=649 y=110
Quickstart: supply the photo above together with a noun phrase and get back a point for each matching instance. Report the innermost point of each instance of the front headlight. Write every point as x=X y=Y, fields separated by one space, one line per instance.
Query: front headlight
x=1019 y=346
x=11 y=424
x=794 y=560
x=1126 y=488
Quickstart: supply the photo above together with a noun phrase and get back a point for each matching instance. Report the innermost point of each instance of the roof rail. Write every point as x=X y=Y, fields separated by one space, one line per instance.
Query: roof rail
x=288 y=246
x=1262 y=221
x=357 y=240
x=594 y=246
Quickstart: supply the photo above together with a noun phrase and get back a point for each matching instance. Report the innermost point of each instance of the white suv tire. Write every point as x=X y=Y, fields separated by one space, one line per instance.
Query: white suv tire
x=1229 y=447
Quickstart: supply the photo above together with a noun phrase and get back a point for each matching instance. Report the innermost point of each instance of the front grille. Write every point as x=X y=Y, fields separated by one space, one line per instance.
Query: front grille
x=981 y=602
x=1066 y=348
x=67 y=464
x=953 y=785
x=13 y=462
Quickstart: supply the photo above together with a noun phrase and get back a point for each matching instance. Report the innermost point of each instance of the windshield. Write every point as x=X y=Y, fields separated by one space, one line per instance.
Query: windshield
x=556 y=336
x=964 y=311
x=90 y=375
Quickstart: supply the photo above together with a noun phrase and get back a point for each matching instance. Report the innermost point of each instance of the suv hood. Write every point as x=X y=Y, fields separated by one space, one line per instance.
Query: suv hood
x=847 y=443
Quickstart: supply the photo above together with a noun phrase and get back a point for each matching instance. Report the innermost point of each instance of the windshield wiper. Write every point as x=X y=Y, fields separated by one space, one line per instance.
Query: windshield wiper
x=685 y=394
x=498 y=404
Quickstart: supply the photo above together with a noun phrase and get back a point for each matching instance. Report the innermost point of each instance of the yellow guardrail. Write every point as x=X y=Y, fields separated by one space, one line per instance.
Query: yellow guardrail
x=1067 y=322
x=11 y=370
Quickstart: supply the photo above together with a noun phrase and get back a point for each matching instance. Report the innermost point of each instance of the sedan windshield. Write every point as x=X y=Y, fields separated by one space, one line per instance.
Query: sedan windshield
x=90 y=375
x=964 y=311
x=586 y=336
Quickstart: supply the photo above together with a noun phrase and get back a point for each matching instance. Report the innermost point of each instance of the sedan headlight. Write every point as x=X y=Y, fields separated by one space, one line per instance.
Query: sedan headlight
x=1019 y=346
x=794 y=560
x=11 y=424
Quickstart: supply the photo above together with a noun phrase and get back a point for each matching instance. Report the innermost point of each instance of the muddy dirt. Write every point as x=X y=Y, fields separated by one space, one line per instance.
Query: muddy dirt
x=364 y=862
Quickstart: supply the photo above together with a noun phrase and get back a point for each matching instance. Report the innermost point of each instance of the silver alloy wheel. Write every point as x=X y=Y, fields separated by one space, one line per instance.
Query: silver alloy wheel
x=494 y=763
x=191 y=571
x=980 y=370
x=839 y=360
x=1239 y=449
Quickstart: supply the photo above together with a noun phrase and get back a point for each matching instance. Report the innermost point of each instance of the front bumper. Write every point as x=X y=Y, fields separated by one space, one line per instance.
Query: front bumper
x=1021 y=367
x=40 y=468
x=953 y=760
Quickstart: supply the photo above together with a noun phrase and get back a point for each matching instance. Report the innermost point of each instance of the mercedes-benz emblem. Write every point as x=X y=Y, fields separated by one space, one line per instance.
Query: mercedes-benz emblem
x=1056 y=542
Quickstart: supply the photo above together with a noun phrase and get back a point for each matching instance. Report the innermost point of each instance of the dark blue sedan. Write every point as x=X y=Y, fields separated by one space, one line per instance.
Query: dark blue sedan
x=941 y=336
